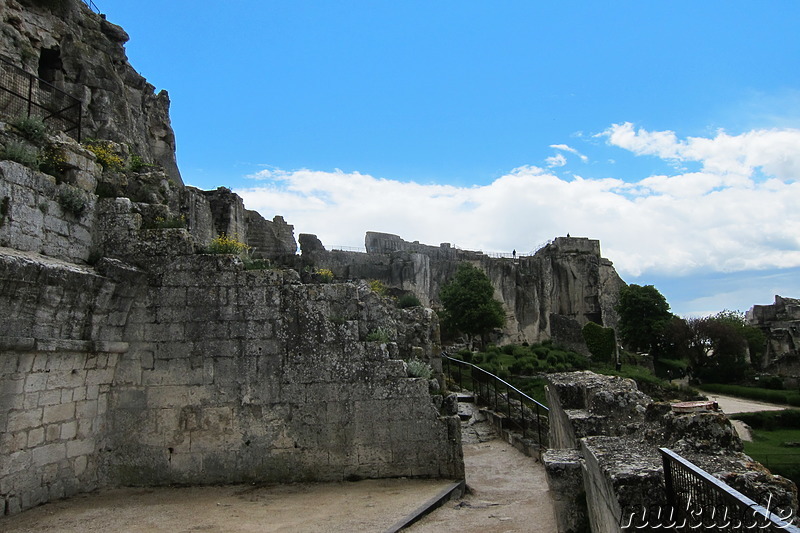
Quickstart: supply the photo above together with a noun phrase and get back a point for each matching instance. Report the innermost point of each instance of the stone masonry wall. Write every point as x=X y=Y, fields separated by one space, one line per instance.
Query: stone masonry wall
x=252 y=376
x=33 y=218
x=58 y=352
x=199 y=371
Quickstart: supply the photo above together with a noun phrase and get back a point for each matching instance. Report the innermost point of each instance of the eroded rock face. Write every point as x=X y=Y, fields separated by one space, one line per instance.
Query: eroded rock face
x=551 y=294
x=780 y=322
x=83 y=54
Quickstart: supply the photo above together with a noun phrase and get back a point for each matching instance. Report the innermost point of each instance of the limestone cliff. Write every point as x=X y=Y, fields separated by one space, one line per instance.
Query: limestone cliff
x=83 y=54
x=780 y=323
x=550 y=294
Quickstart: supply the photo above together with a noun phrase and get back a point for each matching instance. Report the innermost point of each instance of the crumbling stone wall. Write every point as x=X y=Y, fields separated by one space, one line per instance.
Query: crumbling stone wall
x=200 y=371
x=59 y=347
x=605 y=435
x=780 y=323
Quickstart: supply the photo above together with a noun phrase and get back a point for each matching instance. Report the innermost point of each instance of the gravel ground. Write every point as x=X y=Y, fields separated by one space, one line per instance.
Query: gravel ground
x=508 y=493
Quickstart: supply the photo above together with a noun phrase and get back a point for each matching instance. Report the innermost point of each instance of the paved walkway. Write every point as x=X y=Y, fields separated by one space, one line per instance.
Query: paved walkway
x=507 y=491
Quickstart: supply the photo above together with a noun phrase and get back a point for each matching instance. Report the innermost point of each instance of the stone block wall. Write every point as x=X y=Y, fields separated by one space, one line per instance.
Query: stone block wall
x=200 y=371
x=252 y=376
x=58 y=354
x=54 y=405
x=33 y=218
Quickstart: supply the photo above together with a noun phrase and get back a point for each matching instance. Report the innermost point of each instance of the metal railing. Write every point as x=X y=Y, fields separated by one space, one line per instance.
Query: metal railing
x=24 y=95
x=528 y=415
x=699 y=500
x=92 y=6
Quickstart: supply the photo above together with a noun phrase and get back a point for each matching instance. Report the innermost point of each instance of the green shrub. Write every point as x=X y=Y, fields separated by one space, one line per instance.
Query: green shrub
x=53 y=161
x=257 y=264
x=771 y=382
x=137 y=164
x=521 y=351
x=32 y=128
x=790 y=418
x=381 y=335
x=20 y=153
x=754 y=393
x=167 y=222
x=324 y=275
x=408 y=300
x=599 y=341
x=72 y=200
x=419 y=369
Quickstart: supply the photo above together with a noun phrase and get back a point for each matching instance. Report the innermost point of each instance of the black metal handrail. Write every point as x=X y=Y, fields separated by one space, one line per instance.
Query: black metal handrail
x=92 y=6
x=488 y=388
x=24 y=95
x=701 y=500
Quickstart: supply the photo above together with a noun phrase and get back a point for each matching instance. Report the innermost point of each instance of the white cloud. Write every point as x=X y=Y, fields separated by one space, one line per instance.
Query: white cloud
x=567 y=148
x=738 y=213
x=557 y=160
x=733 y=157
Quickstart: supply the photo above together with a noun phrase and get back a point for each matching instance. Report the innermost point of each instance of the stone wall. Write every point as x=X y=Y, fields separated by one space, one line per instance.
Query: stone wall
x=59 y=347
x=253 y=376
x=200 y=371
x=34 y=218
x=608 y=430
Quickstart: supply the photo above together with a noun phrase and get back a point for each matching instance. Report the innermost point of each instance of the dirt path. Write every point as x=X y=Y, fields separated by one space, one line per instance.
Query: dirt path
x=369 y=506
x=508 y=491
x=731 y=405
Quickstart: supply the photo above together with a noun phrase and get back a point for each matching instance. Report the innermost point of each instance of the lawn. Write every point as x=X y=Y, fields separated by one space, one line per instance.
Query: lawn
x=773 y=431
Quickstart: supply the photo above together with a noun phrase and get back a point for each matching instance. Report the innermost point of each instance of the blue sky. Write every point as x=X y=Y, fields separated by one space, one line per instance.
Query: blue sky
x=668 y=130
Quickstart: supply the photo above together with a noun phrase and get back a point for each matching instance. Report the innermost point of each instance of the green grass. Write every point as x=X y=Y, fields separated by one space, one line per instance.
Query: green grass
x=785 y=397
x=772 y=430
x=769 y=449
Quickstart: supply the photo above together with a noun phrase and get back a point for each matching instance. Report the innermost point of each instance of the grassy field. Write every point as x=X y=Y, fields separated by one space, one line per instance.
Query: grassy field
x=772 y=432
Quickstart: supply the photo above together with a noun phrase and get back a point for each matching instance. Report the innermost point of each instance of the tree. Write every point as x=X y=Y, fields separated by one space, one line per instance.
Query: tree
x=469 y=304
x=718 y=350
x=643 y=316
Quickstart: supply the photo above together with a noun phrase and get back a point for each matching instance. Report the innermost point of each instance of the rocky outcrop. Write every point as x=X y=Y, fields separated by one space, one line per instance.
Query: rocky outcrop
x=550 y=294
x=605 y=469
x=83 y=54
x=780 y=323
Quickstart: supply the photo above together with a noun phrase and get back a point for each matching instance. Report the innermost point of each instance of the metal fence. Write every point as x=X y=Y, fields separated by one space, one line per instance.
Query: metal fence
x=24 y=95
x=519 y=409
x=699 y=500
